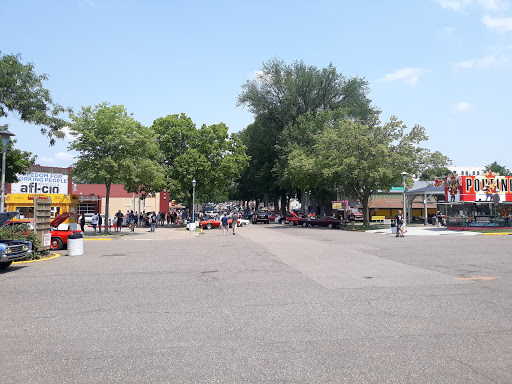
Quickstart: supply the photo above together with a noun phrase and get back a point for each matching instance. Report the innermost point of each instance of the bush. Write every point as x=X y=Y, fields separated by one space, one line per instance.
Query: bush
x=23 y=232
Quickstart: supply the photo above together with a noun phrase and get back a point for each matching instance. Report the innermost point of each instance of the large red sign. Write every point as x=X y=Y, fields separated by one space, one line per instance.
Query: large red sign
x=481 y=188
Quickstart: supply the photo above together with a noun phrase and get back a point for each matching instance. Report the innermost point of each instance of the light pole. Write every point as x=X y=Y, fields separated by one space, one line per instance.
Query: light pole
x=6 y=136
x=404 y=174
x=193 y=199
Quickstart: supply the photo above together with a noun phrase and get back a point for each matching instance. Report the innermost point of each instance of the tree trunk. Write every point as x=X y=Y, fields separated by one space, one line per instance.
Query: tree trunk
x=284 y=205
x=107 y=202
x=304 y=203
x=366 y=197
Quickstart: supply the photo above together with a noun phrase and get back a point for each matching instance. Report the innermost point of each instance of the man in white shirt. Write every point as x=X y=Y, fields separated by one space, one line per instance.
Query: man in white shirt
x=94 y=222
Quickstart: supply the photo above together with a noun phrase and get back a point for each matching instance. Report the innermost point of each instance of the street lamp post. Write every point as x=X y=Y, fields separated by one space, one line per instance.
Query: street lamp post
x=404 y=174
x=193 y=199
x=6 y=136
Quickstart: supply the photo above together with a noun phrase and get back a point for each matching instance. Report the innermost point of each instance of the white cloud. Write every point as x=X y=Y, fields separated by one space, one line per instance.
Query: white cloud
x=493 y=5
x=462 y=106
x=464 y=65
x=408 y=75
x=502 y=24
x=461 y=6
x=487 y=62
x=69 y=137
x=45 y=160
x=64 y=156
x=59 y=158
x=455 y=5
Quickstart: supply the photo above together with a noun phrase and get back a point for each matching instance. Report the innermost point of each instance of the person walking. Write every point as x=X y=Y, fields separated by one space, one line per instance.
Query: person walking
x=100 y=222
x=225 y=224
x=152 y=220
x=119 y=222
x=234 y=221
x=94 y=222
x=399 y=224
x=82 y=223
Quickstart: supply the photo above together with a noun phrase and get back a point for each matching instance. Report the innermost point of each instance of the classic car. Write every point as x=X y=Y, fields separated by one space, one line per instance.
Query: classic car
x=210 y=222
x=329 y=222
x=12 y=250
x=295 y=218
x=59 y=237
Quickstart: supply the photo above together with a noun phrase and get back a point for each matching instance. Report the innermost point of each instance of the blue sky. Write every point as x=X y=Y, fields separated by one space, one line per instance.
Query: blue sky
x=443 y=64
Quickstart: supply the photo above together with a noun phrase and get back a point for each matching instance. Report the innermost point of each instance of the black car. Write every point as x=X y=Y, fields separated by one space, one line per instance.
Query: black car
x=260 y=216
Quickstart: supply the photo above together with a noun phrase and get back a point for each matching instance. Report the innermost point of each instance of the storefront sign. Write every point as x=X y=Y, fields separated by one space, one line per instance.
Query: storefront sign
x=39 y=182
x=31 y=197
x=482 y=188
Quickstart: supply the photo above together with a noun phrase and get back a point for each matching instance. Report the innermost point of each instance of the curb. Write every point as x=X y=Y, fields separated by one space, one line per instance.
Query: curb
x=52 y=256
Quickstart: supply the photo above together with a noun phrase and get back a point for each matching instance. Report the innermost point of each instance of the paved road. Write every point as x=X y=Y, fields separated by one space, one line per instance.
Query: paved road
x=271 y=304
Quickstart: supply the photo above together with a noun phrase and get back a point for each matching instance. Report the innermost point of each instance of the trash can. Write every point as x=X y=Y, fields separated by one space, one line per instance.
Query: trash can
x=393 y=228
x=434 y=220
x=75 y=244
x=192 y=226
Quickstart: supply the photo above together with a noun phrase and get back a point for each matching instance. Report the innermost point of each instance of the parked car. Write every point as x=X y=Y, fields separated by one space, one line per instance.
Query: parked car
x=12 y=250
x=210 y=222
x=59 y=237
x=295 y=218
x=329 y=222
x=260 y=216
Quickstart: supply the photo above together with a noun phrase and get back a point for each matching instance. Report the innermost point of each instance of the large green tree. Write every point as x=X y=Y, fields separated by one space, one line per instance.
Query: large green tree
x=115 y=148
x=358 y=158
x=209 y=155
x=23 y=94
x=278 y=96
x=497 y=168
x=17 y=162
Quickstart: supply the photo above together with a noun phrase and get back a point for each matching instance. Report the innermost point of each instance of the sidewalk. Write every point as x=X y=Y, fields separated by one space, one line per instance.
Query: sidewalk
x=425 y=230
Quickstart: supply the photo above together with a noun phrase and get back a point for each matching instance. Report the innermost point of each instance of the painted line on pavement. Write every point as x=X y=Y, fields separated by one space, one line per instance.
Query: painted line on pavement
x=54 y=256
x=497 y=234
x=97 y=239
x=476 y=278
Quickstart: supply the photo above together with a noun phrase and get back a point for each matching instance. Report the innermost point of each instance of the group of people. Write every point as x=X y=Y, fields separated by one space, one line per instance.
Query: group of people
x=224 y=221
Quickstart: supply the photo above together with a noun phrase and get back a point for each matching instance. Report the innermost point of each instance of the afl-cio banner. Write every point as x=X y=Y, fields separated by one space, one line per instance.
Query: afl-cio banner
x=38 y=182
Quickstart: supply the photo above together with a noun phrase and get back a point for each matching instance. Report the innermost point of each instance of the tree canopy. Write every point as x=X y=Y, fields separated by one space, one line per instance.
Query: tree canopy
x=279 y=96
x=17 y=162
x=115 y=148
x=209 y=155
x=356 y=158
x=496 y=168
x=22 y=93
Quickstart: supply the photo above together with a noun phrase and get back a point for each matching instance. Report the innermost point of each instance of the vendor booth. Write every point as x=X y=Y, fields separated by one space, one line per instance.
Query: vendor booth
x=472 y=202
x=24 y=203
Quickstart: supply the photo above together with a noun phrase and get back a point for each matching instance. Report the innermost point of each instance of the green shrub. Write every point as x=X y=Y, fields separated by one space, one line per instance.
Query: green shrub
x=23 y=232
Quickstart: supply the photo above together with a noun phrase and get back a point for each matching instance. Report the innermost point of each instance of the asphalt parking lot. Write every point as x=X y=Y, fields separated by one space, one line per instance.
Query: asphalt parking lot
x=271 y=304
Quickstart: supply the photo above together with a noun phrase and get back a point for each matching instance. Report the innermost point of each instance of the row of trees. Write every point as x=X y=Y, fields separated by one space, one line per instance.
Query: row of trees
x=314 y=131
x=115 y=148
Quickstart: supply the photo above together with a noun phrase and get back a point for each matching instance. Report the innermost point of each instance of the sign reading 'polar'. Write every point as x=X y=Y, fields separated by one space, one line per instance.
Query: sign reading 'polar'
x=39 y=182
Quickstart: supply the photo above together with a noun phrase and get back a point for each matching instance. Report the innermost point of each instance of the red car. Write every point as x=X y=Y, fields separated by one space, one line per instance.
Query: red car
x=59 y=237
x=210 y=223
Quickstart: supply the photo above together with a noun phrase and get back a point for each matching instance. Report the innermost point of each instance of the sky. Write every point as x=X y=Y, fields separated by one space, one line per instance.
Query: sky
x=442 y=64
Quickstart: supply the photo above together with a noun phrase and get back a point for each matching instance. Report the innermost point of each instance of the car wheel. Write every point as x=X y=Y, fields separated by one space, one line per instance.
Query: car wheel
x=329 y=226
x=304 y=224
x=291 y=223
x=266 y=222
x=5 y=264
x=209 y=226
x=56 y=243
